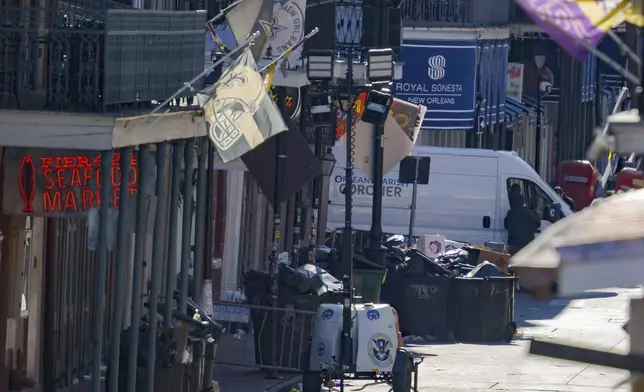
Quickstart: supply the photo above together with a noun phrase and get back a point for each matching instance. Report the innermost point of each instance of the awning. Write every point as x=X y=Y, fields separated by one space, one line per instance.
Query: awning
x=531 y=103
x=493 y=68
x=514 y=108
x=96 y=132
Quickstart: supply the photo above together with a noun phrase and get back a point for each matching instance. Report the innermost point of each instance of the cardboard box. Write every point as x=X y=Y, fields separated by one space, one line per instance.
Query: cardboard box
x=480 y=254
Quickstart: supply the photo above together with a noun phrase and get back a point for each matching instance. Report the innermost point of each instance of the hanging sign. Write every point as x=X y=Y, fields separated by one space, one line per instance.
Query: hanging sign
x=45 y=182
x=440 y=75
x=514 y=81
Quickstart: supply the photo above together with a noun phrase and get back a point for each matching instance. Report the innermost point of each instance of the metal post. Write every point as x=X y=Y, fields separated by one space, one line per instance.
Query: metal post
x=376 y=251
x=200 y=220
x=142 y=209
x=297 y=215
x=101 y=270
x=414 y=195
x=210 y=228
x=173 y=245
x=537 y=149
x=157 y=262
x=274 y=268
x=186 y=240
x=121 y=266
x=346 y=355
x=315 y=199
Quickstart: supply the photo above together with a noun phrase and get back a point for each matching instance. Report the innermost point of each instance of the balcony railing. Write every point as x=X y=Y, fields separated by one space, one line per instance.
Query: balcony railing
x=455 y=13
x=78 y=58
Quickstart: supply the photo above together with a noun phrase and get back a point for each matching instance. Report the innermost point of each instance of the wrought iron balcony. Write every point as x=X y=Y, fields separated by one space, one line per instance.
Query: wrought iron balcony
x=456 y=13
x=88 y=58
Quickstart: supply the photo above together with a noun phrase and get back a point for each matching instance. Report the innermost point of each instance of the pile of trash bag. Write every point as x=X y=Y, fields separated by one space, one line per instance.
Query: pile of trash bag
x=456 y=262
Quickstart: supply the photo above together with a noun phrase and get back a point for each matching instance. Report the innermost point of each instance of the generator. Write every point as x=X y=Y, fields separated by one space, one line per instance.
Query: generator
x=377 y=352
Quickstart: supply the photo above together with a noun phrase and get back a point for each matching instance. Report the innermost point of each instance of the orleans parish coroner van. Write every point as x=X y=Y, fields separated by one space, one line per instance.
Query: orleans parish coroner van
x=466 y=199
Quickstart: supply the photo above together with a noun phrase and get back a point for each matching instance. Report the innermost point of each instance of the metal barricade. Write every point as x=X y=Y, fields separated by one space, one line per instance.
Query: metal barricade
x=252 y=330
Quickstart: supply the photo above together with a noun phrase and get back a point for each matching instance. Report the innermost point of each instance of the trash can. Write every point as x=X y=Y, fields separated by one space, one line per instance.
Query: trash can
x=293 y=331
x=482 y=309
x=367 y=284
x=421 y=303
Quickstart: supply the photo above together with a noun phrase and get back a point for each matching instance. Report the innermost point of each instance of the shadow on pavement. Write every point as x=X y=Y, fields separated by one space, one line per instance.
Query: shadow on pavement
x=245 y=379
x=528 y=308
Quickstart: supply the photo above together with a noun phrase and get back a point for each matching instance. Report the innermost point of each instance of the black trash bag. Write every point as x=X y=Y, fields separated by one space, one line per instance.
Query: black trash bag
x=455 y=256
x=256 y=285
x=421 y=264
x=322 y=253
x=486 y=270
x=308 y=279
x=394 y=257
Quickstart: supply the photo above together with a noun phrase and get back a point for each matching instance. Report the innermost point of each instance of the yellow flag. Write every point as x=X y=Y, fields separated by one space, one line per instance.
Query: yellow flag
x=268 y=75
x=633 y=13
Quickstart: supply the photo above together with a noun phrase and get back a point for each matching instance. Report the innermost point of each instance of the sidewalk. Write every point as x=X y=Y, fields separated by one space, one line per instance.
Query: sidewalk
x=240 y=379
x=595 y=320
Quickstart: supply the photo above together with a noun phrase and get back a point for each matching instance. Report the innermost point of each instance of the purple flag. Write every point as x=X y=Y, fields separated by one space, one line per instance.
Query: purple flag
x=569 y=22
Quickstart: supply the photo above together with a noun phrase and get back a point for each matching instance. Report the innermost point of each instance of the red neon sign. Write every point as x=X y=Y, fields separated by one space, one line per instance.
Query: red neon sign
x=71 y=183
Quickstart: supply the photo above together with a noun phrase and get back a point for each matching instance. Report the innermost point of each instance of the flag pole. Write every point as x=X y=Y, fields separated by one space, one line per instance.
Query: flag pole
x=210 y=23
x=623 y=47
x=607 y=60
x=188 y=85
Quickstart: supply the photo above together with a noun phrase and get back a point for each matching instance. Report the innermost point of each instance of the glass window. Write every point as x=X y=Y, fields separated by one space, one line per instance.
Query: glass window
x=533 y=196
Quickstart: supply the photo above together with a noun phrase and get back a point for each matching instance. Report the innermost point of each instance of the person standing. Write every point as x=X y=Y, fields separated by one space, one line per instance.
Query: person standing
x=521 y=223
x=566 y=198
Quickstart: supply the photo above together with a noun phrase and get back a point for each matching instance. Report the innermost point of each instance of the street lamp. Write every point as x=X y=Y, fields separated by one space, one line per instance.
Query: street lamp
x=319 y=70
x=319 y=67
x=376 y=110
x=380 y=66
x=328 y=163
x=540 y=62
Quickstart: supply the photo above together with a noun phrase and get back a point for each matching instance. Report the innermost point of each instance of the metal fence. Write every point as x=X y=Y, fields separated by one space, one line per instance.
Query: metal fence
x=251 y=331
x=85 y=57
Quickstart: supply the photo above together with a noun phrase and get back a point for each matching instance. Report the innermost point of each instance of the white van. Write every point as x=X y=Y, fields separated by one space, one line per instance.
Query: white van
x=466 y=199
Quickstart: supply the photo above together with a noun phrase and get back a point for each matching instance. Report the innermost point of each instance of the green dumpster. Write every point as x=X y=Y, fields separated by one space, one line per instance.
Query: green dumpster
x=367 y=284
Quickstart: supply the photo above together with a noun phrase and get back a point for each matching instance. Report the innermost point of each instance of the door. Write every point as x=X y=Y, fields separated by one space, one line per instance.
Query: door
x=535 y=198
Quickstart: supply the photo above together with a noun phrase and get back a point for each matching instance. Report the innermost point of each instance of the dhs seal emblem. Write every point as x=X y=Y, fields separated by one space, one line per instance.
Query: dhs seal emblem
x=373 y=314
x=327 y=314
x=321 y=349
x=380 y=350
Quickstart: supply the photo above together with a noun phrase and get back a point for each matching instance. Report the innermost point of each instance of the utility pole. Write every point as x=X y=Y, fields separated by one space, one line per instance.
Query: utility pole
x=376 y=252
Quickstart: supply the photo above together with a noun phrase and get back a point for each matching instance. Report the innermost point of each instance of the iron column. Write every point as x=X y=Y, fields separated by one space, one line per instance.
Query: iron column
x=186 y=239
x=173 y=246
x=537 y=149
x=101 y=271
x=140 y=240
x=157 y=261
x=121 y=266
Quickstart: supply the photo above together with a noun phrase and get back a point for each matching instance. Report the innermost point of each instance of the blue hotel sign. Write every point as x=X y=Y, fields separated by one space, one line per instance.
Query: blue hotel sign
x=442 y=76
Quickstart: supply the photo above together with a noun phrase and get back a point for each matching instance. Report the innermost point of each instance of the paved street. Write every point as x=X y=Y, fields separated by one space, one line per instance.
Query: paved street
x=594 y=320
